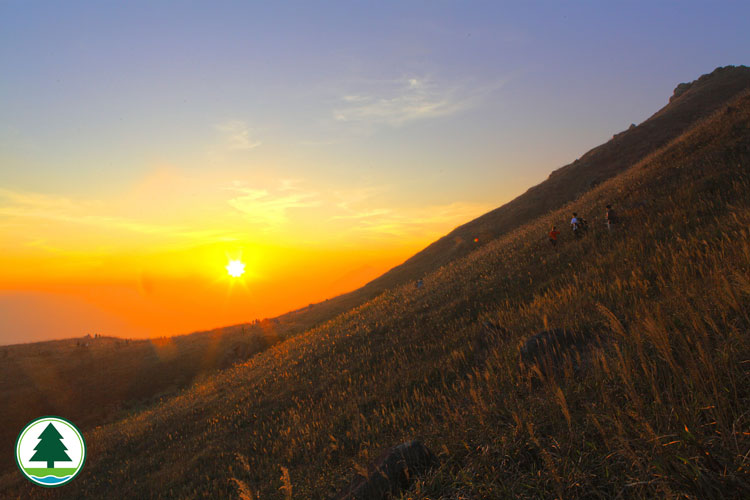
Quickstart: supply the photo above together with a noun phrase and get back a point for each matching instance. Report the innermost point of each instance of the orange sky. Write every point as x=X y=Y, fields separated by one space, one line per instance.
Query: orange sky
x=149 y=259
x=152 y=303
x=149 y=302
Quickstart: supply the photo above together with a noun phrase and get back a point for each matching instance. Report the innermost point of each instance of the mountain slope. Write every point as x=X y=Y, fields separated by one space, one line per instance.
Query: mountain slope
x=162 y=368
x=690 y=103
x=661 y=411
x=55 y=377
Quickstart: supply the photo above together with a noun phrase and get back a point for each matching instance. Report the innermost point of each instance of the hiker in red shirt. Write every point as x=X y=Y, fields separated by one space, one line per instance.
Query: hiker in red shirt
x=553 y=236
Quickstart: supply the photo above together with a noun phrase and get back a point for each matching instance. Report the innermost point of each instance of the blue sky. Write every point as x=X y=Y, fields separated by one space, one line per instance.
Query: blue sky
x=110 y=89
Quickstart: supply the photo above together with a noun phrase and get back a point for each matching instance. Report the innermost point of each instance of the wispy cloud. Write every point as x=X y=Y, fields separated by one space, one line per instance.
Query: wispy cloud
x=415 y=221
x=46 y=221
x=360 y=210
x=270 y=207
x=365 y=214
x=53 y=208
x=236 y=135
x=349 y=198
x=30 y=205
x=408 y=99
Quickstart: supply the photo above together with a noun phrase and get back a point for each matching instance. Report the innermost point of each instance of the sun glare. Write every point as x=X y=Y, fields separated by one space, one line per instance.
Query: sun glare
x=236 y=268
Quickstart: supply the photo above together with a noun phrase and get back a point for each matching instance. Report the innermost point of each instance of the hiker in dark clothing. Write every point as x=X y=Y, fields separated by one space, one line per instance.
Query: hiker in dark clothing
x=578 y=225
x=610 y=217
x=553 y=236
x=575 y=223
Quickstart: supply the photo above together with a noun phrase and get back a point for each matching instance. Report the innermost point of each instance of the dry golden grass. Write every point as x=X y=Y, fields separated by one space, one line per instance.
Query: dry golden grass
x=96 y=380
x=661 y=412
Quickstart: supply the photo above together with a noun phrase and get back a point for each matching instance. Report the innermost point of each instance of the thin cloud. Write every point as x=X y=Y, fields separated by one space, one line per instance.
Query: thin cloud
x=271 y=208
x=368 y=214
x=398 y=102
x=348 y=197
x=290 y=184
x=379 y=222
x=53 y=208
x=236 y=135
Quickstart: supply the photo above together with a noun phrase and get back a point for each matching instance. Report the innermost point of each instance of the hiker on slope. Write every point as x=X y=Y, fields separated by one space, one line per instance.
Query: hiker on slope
x=575 y=224
x=610 y=217
x=553 y=236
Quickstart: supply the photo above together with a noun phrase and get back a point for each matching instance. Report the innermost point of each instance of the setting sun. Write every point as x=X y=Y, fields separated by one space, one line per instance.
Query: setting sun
x=235 y=268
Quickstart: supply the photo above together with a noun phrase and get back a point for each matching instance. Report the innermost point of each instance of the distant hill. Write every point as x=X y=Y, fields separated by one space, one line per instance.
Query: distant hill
x=95 y=380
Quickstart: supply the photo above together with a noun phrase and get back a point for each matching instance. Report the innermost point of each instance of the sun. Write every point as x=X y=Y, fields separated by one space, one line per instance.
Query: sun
x=236 y=268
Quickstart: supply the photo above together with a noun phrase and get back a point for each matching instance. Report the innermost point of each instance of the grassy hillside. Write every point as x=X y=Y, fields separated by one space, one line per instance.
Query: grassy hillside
x=93 y=381
x=661 y=410
x=56 y=376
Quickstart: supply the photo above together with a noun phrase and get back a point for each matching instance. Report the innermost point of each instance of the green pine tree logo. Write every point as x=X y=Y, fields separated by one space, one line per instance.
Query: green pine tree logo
x=50 y=451
x=50 y=448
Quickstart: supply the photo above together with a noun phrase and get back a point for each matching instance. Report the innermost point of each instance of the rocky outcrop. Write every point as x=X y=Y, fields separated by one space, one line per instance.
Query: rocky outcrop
x=679 y=90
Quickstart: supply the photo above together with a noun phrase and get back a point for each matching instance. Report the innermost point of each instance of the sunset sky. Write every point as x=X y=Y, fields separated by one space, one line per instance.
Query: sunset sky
x=143 y=145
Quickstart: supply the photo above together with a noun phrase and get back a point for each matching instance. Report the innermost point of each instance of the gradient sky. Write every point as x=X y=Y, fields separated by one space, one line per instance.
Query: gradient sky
x=143 y=144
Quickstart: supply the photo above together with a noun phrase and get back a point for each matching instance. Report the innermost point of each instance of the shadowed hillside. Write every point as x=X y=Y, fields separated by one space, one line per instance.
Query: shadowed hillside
x=659 y=412
x=95 y=380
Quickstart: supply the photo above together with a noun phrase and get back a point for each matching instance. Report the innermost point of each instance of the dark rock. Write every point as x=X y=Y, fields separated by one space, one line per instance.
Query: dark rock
x=391 y=473
x=679 y=90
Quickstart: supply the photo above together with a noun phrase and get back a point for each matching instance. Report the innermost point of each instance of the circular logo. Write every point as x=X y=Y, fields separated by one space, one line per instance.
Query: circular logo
x=50 y=451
